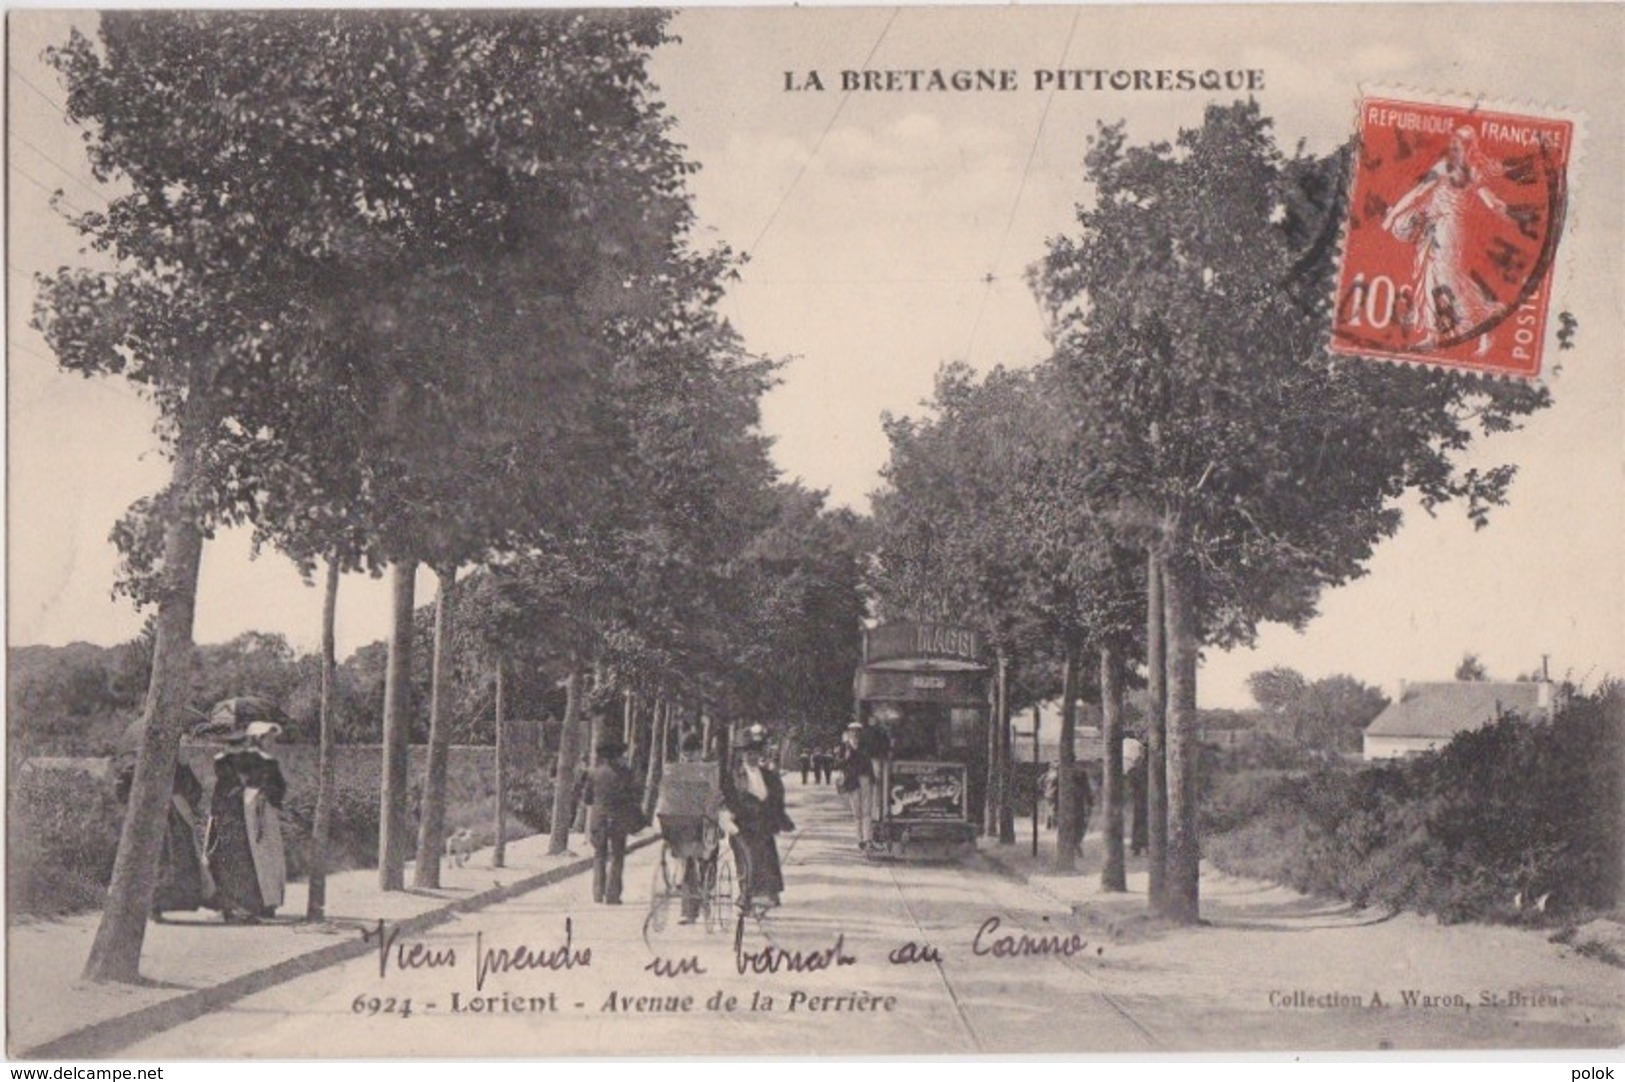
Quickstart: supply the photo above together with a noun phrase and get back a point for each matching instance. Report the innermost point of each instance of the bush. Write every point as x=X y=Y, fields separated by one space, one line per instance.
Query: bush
x=352 y=832
x=1514 y=808
x=530 y=797
x=62 y=827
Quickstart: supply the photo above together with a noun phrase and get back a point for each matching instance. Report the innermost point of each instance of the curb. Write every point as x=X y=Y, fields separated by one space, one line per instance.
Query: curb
x=104 y=1038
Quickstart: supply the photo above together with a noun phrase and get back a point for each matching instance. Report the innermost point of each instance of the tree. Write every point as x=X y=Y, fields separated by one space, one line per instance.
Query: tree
x=1471 y=668
x=1189 y=316
x=428 y=171
x=989 y=514
x=1277 y=690
x=1328 y=715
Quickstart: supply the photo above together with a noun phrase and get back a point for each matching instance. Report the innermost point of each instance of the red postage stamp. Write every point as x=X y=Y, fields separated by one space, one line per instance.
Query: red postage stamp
x=1453 y=224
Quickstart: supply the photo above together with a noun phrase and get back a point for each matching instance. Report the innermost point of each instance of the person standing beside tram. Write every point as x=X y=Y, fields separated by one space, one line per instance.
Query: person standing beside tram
x=856 y=782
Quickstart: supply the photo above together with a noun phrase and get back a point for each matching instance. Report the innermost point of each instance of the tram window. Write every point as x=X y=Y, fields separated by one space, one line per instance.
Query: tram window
x=964 y=725
x=916 y=734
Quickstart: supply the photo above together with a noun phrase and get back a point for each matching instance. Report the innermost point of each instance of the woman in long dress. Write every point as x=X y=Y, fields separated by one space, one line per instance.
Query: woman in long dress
x=183 y=879
x=754 y=795
x=245 y=831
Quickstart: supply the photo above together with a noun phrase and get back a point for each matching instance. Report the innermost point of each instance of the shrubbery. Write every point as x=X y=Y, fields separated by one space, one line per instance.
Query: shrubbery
x=1514 y=808
x=352 y=840
x=62 y=828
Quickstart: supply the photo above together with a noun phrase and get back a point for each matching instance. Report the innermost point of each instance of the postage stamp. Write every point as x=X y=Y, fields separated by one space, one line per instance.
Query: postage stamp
x=1454 y=220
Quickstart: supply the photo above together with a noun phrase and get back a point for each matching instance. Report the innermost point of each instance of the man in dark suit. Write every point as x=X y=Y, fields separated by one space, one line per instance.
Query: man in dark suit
x=613 y=812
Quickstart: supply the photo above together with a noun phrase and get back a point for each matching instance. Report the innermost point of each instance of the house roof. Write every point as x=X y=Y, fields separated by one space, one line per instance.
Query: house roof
x=1446 y=708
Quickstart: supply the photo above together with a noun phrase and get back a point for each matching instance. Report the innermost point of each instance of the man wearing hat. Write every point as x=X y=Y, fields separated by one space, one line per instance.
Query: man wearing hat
x=613 y=812
x=857 y=779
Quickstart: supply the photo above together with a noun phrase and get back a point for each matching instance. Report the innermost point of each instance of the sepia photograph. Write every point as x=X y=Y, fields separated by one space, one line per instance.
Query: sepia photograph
x=781 y=532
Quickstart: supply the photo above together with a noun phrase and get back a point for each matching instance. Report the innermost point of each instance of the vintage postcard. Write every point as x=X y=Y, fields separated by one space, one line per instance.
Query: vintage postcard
x=802 y=531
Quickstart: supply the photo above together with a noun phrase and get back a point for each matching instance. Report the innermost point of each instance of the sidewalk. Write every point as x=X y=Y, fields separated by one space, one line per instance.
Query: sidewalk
x=196 y=963
x=1265 y=946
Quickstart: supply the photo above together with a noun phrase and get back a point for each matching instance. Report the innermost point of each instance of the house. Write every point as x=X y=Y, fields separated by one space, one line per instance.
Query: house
x=1426 y=716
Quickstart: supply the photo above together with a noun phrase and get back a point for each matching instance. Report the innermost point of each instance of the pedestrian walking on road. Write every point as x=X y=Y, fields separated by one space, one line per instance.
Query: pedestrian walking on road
x=613 y=812
x=822 y=763
x=754 y=795
x=804 y=761
x=691 y=799
x=244 y=837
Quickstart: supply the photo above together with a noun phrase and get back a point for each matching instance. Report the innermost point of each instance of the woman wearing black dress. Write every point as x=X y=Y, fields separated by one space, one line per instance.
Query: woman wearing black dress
x=245 y=831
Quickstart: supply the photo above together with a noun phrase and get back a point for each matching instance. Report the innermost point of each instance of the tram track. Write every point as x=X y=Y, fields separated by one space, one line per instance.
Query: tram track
x=942 y=974
x=1076 y=964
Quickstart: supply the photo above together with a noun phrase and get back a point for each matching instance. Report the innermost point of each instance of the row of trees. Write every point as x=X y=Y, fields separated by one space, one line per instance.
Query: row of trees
x=1189 y=462
x=419 y=289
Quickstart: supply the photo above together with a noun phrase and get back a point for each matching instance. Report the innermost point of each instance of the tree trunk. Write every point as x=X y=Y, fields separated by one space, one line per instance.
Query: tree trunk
x=322 y=828
x=432 y=810
x=499 y=847
x=990 y=747
x=564 y=773
x=642 y=734
x=1113 y=876
x=392 y=839
x=1182 y=898
x=1066 y=819
x=657 y=753
x=1156 y=735
x=1007 y=816
x=115 y=955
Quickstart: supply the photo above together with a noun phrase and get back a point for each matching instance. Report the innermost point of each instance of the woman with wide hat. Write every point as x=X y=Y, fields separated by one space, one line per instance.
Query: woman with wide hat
x=244 y=838
x=754 y=795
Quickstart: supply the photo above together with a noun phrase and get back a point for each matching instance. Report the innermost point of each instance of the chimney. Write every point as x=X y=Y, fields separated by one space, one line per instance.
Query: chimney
x=1403 y=687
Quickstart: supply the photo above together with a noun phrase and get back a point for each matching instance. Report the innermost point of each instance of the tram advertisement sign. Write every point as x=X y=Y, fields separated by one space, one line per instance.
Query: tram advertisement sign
x=925 y=791
x=906 y=640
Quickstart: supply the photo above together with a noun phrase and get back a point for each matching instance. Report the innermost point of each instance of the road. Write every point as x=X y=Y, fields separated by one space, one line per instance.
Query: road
x=877 y=958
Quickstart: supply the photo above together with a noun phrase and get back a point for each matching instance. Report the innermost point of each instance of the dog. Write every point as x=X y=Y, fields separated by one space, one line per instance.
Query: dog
x=460 y=846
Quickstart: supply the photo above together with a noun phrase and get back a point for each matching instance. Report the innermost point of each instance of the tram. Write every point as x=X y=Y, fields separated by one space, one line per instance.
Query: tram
x=926 y=687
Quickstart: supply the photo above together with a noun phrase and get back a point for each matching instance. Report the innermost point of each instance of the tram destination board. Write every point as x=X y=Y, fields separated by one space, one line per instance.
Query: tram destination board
x=925 y=792
x=911 y=640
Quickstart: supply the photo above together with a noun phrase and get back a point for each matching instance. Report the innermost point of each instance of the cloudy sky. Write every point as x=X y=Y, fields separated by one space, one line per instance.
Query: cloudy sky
x=888 y=233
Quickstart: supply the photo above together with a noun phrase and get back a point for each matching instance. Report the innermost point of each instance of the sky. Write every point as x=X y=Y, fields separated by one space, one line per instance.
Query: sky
x=888 y=232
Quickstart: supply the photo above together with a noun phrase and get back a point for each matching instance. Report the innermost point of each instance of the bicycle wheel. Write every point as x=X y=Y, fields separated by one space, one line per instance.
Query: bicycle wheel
x=722 y=891
x=660 y=892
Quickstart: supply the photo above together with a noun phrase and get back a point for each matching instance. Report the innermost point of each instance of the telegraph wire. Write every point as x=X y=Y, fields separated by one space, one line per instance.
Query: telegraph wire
x=52 y=190
x=59 y=167
x=1021 y=188
x=819 y=142
x=52 y=102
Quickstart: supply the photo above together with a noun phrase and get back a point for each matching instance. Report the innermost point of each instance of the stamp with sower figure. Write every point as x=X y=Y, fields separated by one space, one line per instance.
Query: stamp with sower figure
x=1454 y=221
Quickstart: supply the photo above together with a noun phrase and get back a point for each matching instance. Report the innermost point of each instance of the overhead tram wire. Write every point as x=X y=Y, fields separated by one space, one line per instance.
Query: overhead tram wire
x=52 y=102
x=49 y=189
x=1021 y=189
x=840 y=106
x=59 y=167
